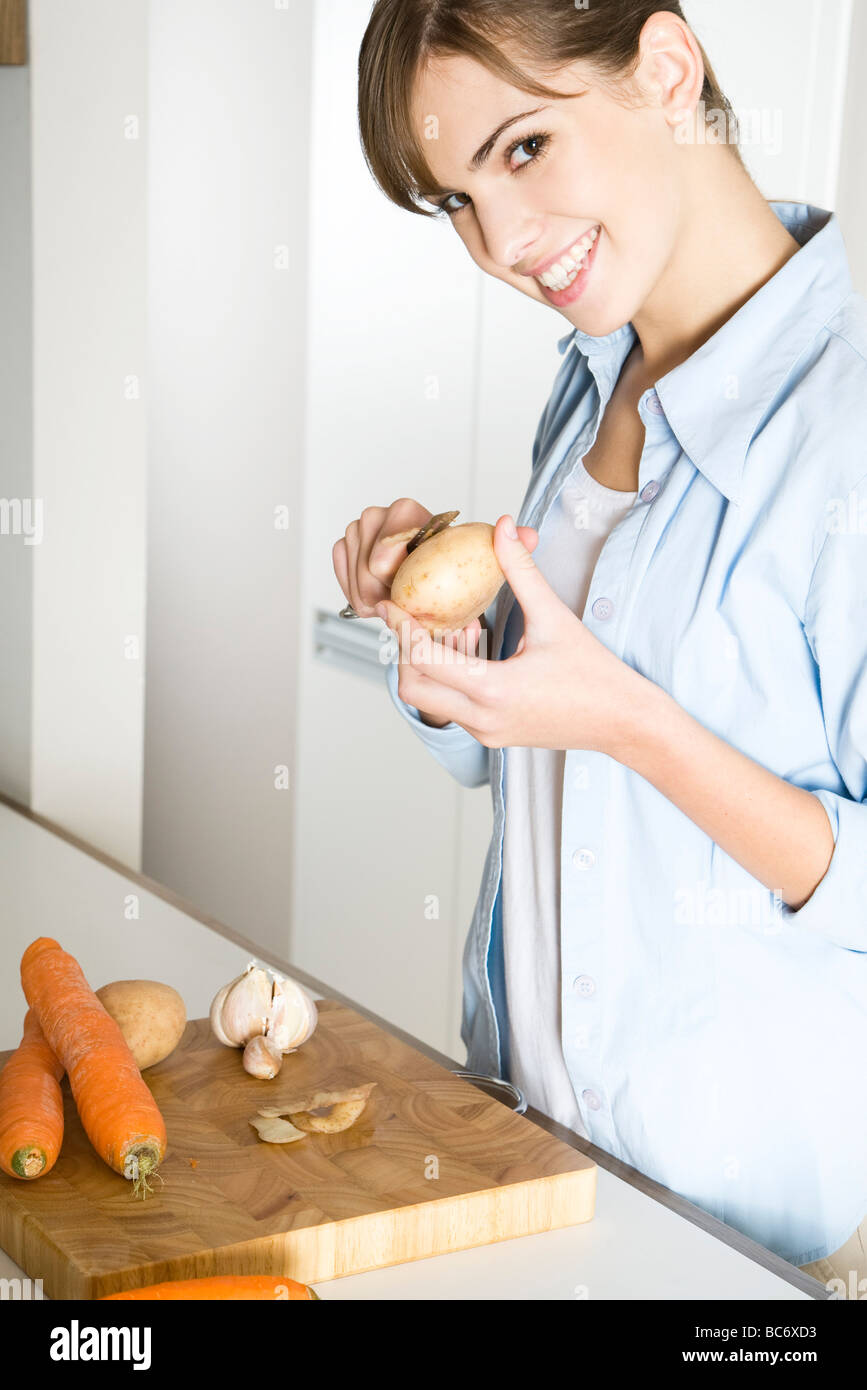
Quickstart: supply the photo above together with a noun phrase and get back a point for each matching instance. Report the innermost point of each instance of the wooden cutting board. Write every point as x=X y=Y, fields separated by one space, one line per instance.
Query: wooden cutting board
x=433 y=1165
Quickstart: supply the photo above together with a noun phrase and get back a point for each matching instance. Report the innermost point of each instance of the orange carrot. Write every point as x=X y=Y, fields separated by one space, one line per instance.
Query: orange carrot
x=118 y=1112
x=272 y=1287
x=31 y=1106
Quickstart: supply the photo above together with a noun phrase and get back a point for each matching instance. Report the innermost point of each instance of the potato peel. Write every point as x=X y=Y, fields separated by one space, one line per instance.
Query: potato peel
x=323 y=1112
x=339 y=1117
x=276 y=1131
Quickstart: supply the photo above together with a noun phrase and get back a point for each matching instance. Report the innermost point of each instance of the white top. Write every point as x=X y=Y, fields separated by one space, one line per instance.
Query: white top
x=570 y=542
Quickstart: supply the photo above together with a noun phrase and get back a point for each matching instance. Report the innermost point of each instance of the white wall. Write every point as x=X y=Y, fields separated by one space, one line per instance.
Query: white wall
x=16 y=440
x=228 y=273
x=786 y=61
x=852 y=192
x=88 y=76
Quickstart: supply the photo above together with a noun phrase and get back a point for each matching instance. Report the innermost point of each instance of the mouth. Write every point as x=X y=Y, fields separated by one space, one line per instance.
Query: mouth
x=564 y=279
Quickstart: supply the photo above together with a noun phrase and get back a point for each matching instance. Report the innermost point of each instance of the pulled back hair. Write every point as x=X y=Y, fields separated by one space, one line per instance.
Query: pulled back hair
x=402 y=35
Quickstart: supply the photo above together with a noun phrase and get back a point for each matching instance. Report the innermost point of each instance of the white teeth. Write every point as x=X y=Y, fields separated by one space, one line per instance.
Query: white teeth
x=561 y=274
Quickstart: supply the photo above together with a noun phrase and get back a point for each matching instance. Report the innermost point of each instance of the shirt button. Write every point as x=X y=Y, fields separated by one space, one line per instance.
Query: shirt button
x=583 y=859
x=591 y=1099
x=654 y=404
x=649 y=491
x=584 y=985
x=602 y=609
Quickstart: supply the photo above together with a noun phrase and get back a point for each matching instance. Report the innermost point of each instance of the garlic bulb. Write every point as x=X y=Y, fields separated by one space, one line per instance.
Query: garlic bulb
x=262 y=1058
x=294 y=1015
x=241 y=1009
x=262 y=1004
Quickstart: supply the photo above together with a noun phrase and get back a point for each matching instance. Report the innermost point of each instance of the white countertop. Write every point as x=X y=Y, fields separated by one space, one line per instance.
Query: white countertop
x=634 y=1248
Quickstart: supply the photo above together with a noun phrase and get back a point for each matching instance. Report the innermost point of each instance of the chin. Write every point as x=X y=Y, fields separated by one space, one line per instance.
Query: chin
x=601 y=323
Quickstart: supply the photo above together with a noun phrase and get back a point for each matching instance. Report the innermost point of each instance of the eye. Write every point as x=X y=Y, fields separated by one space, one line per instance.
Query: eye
x=535 y=147
x=445 y=204
x=535 y=144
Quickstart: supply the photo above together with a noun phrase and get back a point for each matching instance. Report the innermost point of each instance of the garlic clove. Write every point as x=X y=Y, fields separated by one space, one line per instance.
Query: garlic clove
x=240 y=1010
x=293 y=1017
x=262 y=1059
x=216 y=1016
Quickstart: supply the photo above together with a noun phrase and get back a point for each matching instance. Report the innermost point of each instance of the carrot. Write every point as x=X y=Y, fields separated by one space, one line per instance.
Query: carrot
x=118 y=1112
x=272 y=1287
x=31 y=1106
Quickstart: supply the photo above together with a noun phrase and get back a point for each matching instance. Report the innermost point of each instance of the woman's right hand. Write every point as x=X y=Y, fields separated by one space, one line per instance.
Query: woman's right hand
x=366 y=561
x=364 y=564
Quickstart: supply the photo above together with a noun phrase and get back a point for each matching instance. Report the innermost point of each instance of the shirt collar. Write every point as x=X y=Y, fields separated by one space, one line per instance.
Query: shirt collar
x=715 y=400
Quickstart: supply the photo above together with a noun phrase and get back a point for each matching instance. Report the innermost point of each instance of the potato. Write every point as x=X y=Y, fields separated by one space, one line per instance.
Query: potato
x=450 y=579
x=150 y=1015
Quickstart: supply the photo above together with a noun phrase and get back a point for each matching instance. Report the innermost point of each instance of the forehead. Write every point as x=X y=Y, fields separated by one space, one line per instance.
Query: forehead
x=458 y=90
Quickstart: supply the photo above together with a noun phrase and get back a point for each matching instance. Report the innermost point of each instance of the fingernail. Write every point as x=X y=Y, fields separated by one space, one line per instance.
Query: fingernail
x=510 y=529
x=382 y=612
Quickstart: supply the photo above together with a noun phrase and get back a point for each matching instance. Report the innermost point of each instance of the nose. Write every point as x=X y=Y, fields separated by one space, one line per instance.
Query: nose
x=508 y=236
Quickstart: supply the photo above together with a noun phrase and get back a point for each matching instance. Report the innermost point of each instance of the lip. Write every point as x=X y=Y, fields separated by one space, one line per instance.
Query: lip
x=558 y=255
x=561 y=298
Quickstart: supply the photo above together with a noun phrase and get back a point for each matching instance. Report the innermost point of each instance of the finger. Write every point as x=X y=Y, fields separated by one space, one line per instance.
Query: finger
x=341 y=565
x=370 y=587
x=414 y=687
x=444 y=704
x=465 y=640
x=529 y=537
x=389 y=548
x=442 y=664
x=540 y=605
x=351 y=540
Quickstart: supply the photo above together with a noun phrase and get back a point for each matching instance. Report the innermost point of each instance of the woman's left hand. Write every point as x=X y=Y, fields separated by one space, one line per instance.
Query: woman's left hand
x=562 y=688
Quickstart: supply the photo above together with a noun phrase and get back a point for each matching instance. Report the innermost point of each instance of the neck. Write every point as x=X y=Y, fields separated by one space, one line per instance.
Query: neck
x=730 y=242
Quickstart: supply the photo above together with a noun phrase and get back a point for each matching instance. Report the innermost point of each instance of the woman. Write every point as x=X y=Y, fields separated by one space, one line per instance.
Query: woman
x=669 y=950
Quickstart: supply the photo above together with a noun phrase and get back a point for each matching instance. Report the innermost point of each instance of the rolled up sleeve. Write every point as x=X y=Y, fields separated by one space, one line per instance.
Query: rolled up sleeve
x=836 y=628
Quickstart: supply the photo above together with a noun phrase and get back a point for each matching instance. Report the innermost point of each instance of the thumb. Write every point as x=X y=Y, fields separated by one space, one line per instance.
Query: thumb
x=524 y=578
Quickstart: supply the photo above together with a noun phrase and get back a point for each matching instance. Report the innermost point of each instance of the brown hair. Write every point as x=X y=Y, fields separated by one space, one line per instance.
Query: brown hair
x=402 y=35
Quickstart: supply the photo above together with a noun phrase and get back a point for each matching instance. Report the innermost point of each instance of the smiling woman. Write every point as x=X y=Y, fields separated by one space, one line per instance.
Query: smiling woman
x=672 y=715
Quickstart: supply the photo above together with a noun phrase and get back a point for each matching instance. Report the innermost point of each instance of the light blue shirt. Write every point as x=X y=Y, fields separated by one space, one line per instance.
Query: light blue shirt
x=723 y=1049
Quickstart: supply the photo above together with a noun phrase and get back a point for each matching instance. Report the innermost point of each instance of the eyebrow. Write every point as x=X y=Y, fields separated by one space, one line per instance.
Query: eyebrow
x=481 y=155
x=484 y=150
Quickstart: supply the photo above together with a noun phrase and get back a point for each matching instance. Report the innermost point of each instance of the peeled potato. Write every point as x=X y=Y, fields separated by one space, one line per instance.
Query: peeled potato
x=151 y=1016
x=450 y=579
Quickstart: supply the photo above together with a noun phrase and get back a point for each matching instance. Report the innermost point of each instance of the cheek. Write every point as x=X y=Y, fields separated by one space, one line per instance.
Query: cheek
x=467 y=229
